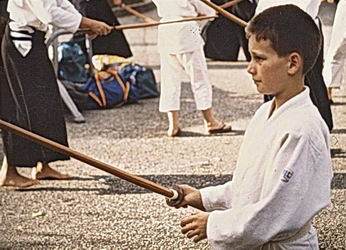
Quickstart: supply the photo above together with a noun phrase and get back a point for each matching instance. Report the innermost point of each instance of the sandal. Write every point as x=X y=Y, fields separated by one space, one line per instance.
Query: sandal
x=223 y=128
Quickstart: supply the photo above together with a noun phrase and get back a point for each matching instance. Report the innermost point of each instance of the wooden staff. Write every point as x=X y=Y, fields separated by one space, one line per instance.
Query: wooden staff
x=154 y=187
x=145 y=25
x=230 y=4
x=138 y=14
x=225 y=13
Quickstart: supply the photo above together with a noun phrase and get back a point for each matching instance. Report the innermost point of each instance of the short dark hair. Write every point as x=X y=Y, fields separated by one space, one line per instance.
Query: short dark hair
x=289 y=29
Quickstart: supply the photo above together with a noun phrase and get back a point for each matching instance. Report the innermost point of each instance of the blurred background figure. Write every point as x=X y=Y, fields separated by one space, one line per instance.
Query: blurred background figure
x=334 y=65
x=223 y=38
x=30 y=97
x=114 y=43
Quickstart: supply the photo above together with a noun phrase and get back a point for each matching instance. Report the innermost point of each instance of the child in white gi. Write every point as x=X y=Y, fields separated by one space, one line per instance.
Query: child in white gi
x=283 y=174
x=181 y=48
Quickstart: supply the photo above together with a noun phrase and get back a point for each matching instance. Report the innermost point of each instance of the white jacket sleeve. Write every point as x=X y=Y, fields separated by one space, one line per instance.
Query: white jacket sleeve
x=60 y=13
x=202 y=8
x=292 y=200
x=213 y=198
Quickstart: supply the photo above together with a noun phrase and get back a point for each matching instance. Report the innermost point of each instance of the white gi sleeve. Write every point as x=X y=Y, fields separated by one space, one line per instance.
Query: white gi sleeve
x=218 y=197
x=202 y=8
x=298 y=187
x=60 y=13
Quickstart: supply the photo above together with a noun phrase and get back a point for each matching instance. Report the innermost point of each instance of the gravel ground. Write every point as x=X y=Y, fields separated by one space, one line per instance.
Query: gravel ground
x=95 y=210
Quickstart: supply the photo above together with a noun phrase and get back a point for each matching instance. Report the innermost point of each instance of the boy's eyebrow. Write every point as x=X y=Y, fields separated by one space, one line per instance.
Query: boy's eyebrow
x=258 y=54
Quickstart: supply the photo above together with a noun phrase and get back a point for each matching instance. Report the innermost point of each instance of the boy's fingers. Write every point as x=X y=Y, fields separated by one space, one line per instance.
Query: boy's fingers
x=186 y=220
x=199 y=238
x=187 y=228
x=191 y=234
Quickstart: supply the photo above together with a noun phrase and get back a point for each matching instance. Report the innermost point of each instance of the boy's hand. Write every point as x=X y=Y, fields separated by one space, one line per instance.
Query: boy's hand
x=195 y=226
x=192 y=197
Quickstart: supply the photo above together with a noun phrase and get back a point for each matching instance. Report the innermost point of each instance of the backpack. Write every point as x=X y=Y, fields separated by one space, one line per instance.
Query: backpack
x=72 y=62
x=109 y=91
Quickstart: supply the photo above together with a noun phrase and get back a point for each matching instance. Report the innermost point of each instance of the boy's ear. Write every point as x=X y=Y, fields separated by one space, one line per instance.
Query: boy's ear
x=295 y=63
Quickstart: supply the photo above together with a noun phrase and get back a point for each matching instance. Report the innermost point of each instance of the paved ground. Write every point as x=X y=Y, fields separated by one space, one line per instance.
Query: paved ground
x=98 y=211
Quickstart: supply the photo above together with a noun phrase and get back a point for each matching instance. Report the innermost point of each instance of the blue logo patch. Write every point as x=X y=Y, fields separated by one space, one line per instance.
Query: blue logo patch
x=286 y=175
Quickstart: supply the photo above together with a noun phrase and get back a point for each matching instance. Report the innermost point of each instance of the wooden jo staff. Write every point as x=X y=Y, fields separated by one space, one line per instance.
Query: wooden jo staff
x=225 y=13
x=145 y=25
x=138 y=14
x=172 y=194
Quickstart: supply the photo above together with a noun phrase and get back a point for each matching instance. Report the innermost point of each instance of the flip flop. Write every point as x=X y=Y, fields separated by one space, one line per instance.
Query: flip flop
x=222 y=129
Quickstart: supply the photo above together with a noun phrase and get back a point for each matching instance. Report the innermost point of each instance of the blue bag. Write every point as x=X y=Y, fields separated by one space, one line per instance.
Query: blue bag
x=71 y=63
x=141 y=77
x=109 y=92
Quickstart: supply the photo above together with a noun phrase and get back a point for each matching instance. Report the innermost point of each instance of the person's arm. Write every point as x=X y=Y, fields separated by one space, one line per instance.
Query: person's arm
x=202 y=9
x=117 y=2
x=62 y=14
x=282 y=212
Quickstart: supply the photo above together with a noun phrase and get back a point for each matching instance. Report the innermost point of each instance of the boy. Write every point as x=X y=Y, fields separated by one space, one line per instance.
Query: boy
x=283 y=173
x=314 y=78
x=181 y=48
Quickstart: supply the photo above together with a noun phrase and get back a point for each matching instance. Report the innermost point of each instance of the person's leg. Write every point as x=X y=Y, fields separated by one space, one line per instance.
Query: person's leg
x=170 y=91
x=10 y=177
x=173 y=123
x=43 y=171
x=196 y=67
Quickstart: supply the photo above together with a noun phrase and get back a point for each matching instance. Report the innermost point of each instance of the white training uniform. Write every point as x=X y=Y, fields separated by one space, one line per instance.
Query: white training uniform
x=309 y=6
x=336 y=55
x=282 y=180
x=181 y=48
x=27 y=15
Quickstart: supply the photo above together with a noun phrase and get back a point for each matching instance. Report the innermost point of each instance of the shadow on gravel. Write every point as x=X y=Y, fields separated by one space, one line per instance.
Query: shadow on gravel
x=197 y=134
x=119 y=186
x=339 y=131
x=338 y=153
x=339 y=103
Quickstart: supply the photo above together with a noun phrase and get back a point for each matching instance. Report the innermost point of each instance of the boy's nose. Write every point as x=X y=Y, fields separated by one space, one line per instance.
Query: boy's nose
x=250 y=68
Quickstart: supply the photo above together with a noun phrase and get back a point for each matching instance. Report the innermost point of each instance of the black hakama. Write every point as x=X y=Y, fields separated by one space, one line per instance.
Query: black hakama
x=223 y=37
x=30 y=99
x=115 y=42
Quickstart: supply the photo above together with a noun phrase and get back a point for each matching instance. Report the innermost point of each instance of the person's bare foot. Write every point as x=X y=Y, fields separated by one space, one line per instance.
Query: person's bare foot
x=172 y=132
x=13 y=179
x=20 y=182
x=45 y=172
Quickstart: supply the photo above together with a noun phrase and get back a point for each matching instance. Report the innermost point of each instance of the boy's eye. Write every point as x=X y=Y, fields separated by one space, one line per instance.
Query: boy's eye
x=258 y=59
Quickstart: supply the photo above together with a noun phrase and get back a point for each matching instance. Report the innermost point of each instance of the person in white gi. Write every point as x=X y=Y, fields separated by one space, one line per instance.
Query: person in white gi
x=334 y=64
x=30 y=97
x=181 y=48
x=283 y=174
x=314 y=78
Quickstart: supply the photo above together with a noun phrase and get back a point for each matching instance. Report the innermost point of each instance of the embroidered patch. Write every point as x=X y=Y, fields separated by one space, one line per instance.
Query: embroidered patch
x=286 y=175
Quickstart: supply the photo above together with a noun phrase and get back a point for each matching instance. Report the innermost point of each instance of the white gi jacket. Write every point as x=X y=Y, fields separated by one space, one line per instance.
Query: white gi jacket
x=28 y=14
x=310 y=6
x=180 y=37
x=38 y=14
x=281 y=181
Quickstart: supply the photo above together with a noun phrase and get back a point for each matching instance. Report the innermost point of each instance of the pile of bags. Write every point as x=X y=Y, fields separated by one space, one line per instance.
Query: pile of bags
x=113 y=82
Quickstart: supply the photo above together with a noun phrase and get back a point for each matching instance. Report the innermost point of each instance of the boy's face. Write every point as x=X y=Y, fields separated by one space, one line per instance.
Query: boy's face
x=269 y=71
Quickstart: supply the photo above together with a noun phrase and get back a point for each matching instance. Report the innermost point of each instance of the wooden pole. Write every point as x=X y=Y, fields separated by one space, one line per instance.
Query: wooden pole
x=145 y=25
x=225 y=13
x=154 y=187
x=138 y=14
